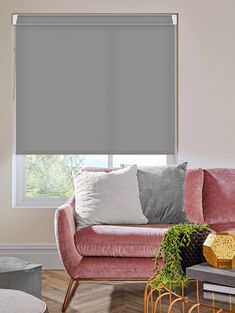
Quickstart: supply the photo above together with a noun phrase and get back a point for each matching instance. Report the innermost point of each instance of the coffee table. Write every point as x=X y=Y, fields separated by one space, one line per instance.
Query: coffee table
x=192 y=298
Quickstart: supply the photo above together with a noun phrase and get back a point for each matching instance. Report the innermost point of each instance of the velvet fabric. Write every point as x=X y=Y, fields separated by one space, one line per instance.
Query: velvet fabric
x=116 y=268
x=219 y=196
x=79 y=267
x=161 y=192
x=213 y=197
x=65 y=229
x=193 y=186
x=120 y=240
x=224 y=227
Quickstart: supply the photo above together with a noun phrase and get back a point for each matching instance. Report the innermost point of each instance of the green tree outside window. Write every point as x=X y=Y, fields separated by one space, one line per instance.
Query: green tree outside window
x=51 y=175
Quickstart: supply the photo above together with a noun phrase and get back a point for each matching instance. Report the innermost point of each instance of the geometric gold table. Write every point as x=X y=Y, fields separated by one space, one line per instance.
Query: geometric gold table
x=184 y=299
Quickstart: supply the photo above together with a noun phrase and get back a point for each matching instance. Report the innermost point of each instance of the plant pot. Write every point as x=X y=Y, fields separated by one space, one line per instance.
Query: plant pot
x=193 y=253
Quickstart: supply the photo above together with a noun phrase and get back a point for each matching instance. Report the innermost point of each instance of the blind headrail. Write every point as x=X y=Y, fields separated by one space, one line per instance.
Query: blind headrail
x=90 y=19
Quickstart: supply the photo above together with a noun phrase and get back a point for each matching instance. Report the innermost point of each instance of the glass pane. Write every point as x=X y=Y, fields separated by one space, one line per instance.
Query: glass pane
x=95 y=160
x=52 y=175
x=139 y=160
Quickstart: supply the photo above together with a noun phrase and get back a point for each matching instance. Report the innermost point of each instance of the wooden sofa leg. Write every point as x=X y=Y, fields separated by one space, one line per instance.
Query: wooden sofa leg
x=70 y=293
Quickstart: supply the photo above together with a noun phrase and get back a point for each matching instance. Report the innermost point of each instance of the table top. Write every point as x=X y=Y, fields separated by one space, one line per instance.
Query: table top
x=205 y=272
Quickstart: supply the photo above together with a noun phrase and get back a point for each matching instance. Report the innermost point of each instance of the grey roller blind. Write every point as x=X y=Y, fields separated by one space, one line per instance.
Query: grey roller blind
x=90 y=84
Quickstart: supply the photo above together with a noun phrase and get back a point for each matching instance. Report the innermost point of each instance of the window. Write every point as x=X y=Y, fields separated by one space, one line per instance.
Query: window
x=107 y=82
x=46 y=180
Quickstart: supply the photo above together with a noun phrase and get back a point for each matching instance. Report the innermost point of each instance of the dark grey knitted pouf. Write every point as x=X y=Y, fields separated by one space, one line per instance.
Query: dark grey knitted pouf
x=21 y=275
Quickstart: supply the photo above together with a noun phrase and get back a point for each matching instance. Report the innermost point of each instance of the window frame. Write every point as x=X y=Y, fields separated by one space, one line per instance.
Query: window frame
x=19 y=199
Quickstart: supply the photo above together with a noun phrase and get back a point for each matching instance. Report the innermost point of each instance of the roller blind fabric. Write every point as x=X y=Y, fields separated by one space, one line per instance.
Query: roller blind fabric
x=90 y=84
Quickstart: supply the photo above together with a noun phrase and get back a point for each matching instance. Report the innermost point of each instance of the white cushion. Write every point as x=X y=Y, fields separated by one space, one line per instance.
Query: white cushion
x=108 y=198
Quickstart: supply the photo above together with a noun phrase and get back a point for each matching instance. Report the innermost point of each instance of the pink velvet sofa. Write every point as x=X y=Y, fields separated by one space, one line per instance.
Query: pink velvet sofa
x=125 y=252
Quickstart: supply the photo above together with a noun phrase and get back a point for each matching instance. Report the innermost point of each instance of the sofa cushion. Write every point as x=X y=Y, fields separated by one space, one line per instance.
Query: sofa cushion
x=115 y=269
x=193 y=186
x=224 y=227
x=108 y=198
x=120 y=240
x=219 y=196
x=162 y=193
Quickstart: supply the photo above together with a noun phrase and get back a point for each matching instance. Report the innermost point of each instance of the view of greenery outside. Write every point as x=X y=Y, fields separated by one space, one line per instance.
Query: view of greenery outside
x=51 y=175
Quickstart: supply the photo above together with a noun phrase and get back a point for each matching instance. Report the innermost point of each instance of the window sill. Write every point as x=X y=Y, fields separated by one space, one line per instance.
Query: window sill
x=37 y=204
x=34 y=206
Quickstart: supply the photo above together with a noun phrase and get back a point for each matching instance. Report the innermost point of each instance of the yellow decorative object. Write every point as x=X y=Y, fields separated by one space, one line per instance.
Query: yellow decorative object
x=219 y=250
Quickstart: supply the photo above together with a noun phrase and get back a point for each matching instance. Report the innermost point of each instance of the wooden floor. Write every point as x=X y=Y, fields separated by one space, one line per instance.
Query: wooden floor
x=105 y=297
x=92 y=297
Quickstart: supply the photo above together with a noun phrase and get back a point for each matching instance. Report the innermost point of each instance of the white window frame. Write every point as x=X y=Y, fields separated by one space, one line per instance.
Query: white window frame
x=19 y=199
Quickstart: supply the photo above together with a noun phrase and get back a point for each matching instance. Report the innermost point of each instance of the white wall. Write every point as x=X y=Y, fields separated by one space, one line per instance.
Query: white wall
x=206 y=92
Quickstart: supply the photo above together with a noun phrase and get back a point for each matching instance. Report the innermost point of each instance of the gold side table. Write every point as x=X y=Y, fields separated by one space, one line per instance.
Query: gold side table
x=189 y=299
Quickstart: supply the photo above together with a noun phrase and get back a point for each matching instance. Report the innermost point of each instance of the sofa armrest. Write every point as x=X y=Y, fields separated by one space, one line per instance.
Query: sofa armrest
x=65 y=229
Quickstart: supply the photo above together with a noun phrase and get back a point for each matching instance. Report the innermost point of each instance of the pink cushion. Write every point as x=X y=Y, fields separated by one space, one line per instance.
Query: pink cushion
x=224 y=227
x=219 y=196
x=193 y=195
x=120 y=240
x=115 y=268
x=100 y=169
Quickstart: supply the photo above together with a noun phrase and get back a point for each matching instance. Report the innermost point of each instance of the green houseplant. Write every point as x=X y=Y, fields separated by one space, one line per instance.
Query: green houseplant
x=175 y=239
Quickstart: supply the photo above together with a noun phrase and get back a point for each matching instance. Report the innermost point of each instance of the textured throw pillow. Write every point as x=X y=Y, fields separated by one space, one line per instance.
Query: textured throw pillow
x=162 y=193
x=108 y=198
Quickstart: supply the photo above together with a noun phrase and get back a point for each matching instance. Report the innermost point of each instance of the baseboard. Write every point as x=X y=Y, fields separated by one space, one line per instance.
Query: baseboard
x=45 y=254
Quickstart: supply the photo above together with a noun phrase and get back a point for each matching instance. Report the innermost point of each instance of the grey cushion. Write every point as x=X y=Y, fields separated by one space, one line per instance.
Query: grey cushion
x=162 y=193
x=19 y=274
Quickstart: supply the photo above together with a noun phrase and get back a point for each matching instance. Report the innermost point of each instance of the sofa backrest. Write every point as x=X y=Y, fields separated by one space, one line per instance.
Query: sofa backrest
x=193 y=187
x=219 y=195
x=209 y=194
x=192 y=195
